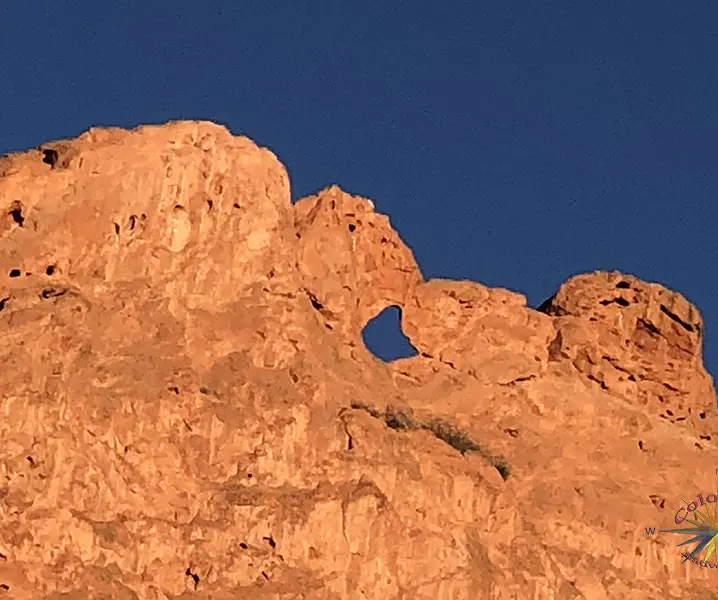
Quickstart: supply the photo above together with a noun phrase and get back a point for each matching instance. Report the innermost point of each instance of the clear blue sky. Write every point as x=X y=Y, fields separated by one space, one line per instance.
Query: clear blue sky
x=512 y=143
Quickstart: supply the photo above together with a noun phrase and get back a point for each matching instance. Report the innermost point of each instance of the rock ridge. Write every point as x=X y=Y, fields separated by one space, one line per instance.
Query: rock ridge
x=188 y=409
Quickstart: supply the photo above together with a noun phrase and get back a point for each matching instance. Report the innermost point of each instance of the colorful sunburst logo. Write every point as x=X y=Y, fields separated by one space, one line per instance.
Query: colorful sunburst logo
x=704 y=530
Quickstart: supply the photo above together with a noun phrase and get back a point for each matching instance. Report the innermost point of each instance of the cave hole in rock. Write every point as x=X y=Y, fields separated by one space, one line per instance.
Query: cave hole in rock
x=383 y=337
x=15 y=213
x=49 y=156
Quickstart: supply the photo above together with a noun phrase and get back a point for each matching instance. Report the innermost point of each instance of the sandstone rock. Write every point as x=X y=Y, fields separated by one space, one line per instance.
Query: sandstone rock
x=352 y=262
x=634 y=338
x=488 y=333
x=188 y=410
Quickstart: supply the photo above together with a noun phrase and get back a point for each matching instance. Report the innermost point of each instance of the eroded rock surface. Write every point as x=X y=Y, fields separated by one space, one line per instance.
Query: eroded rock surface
x=635 y=338
x=187 y=409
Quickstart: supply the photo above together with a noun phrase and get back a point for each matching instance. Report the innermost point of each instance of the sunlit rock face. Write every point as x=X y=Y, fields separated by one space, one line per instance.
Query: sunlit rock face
x=188 y=410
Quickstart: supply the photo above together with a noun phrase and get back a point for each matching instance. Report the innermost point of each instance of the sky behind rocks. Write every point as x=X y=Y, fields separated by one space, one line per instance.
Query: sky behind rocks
x=511 y=143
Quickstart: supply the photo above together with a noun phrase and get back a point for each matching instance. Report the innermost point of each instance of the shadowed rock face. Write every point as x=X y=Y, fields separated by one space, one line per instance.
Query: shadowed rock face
x=188 y=410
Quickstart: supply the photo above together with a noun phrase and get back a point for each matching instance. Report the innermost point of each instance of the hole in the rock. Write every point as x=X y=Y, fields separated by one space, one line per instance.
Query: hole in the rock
x=15 y=273
x=210 y=204
x=623 y=285
x=315 y=303
x=352 y=227
x=384 y=338
x=620 y=301
x=194 y=576
x=49 y=157
x=16 y=213
x=50 y=270
x=3 y=302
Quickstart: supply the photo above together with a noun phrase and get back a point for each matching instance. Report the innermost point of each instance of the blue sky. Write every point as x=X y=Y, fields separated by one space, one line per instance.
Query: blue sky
x=512 y=143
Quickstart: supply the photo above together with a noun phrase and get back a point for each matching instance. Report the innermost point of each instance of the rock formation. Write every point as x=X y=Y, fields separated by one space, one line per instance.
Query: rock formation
x=188 y=409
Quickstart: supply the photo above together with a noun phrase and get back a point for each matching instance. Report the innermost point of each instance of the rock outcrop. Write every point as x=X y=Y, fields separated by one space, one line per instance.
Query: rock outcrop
x=638 y=339
x=187 y=409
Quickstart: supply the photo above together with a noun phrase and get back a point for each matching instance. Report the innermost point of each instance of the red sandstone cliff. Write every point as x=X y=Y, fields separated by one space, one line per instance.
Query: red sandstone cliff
x=188 y=410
